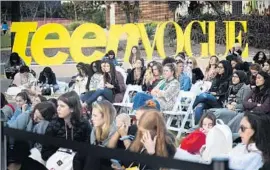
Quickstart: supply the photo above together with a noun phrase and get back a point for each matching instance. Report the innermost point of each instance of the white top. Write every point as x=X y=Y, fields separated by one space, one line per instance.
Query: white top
x=245 y=159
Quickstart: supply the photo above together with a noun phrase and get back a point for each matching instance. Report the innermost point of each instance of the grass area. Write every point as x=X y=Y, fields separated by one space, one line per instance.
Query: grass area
x=6 y=39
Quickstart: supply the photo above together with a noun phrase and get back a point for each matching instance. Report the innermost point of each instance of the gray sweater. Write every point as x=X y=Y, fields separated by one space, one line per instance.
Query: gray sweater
x=6 y=113
x=105 y=142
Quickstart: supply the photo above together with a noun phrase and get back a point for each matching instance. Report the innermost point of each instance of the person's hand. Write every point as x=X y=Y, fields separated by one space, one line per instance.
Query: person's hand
x=149 y=144
x=234 y=103
x=24 y=107
x=213 y=93
x=17 y=67
x=250 y=100
x=123 y=130
x=259 y=105
x=230 y=107
x=116 y=167
x=108 y=85
x=84 y=105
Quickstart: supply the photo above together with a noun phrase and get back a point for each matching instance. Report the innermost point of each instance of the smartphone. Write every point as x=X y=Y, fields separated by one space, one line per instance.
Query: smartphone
x=116 y=163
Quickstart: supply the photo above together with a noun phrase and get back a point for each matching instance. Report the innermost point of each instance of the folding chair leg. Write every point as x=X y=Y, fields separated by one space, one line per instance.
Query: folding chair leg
x=169 y=121
x=182 y=128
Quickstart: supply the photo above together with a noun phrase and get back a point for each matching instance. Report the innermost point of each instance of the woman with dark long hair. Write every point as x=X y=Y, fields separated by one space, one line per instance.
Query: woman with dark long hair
x=23 y=119
x=111 y=86
x=82 y=80
x=260 y=58
x=111 y=57
x=135 y=54
x=47 y=79
x=266 y=66
x=257 y=101
x=254 y=150
x=135 y=77
x=69 y=125
x=23 y=103
x=13 y=65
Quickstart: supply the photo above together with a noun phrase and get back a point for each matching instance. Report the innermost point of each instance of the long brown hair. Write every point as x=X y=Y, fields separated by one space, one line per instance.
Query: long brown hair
x=153 y=121
x=109 y=113
x=209 y=65
x=138 y=54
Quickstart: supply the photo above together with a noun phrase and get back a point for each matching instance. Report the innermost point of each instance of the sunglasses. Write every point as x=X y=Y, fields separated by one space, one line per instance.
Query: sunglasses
x=243 y=128
x=189 y=62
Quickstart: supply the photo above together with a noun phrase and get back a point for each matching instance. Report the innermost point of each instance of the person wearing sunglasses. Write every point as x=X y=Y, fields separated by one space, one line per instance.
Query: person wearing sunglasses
x=254 y=150
x=257 y=101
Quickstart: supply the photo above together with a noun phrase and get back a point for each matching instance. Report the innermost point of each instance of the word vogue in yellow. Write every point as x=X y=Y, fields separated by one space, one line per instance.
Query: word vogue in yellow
x=76 y=41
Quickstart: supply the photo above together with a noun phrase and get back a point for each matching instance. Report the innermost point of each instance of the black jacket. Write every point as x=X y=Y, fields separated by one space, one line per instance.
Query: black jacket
x=197 y=74
x=51 y=79
x=131 y=79
x=220 y=87
x=56 y=128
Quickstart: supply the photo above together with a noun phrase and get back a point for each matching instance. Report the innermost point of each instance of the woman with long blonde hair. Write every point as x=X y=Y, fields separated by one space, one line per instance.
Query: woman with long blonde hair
x=103 y=119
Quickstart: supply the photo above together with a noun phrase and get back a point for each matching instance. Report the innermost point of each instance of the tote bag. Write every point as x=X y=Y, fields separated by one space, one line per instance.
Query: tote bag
x=218 y=142
x=62 y=159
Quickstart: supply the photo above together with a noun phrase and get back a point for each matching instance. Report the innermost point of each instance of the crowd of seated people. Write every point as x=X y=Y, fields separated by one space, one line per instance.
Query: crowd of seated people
x=239 y=96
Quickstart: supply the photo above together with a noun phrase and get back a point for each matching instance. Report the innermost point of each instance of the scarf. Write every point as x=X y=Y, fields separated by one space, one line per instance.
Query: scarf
x=236 y=88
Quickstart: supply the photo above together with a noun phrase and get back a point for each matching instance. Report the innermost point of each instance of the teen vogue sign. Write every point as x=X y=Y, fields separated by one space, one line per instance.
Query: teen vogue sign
x=76 y=41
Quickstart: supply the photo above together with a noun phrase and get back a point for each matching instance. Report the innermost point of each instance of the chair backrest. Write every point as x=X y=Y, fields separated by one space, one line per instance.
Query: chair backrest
x=122 y=71
x=185 y=100
x=129 y=89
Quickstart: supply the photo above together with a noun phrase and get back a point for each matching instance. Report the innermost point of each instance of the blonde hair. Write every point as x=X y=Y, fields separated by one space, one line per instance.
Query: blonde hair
x=108 y=113
x=194 y=62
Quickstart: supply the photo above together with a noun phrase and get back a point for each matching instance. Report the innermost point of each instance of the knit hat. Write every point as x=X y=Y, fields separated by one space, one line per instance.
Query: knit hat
x=242 y=76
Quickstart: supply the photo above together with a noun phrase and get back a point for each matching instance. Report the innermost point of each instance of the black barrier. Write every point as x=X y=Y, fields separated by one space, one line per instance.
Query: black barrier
x=120 y=154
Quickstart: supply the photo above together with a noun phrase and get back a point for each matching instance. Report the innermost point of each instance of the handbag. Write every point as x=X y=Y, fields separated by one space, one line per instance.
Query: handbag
x=193 y=142
x=201 y=87
x=62 y=159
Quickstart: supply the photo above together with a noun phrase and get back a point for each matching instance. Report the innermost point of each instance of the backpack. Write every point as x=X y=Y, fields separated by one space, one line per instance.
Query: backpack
x=219 y=141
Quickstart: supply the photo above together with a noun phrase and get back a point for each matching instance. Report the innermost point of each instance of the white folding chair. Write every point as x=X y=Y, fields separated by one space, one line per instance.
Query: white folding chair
x=182 y=113
x=126 y=102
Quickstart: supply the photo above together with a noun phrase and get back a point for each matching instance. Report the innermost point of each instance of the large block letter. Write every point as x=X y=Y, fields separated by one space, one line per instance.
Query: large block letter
x=211 y=37
x=133 y=35
x=160 y=38
x=22 y=30
x=204 y=46
x=78 y=41
x=39 y=42
x=230 y=36
x=149 y=49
